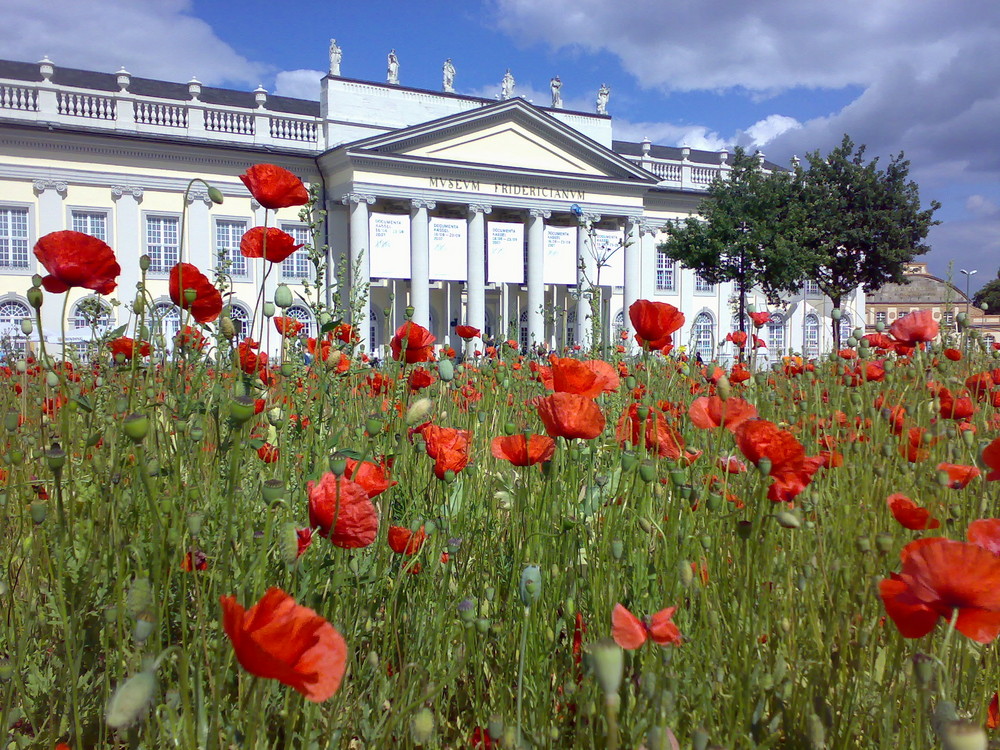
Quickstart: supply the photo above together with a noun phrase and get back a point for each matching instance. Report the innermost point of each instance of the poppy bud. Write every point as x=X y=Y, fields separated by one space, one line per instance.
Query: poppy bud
x=422 y=726
x=686 y=573
x=34 y=296
x=608 y=661
x=268 y=309
x=194 y=523
x=419 y=411
x=787 y=520
x=143 y=628
x=495 y=728
x=136 y=427
x=38 y=511
x=144 y=262
x=630 y=382
x=644 y=524
x=227 y=327
x=617 y=549
x=723 y=388
x=215 y=195
x=139 y=597
x=131 y=700
x=530 y=585
x=963 y=735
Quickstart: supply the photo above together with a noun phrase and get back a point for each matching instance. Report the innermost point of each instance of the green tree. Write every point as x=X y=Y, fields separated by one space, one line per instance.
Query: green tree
x=857 y=225
x=989 y=295
x=742 y=233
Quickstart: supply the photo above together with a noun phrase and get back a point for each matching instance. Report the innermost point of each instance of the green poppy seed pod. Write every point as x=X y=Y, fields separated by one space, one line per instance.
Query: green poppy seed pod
x=272 y=490
x=446 y=370
x=374 y=425
x=963 y=735
x=628 y=460
x=215 y=195
x=39 y=510
x=136 y=427
x=144 y=262
x=430 y=527
x=21 y=366
x=35 y=297
x=130 y=701
x=241 y=409
x=764 y=466
x=642 y=412
x=630 y=382
x=787 y=520
x=490 y=593
x=836 y=313
x=6 y=669
x=408 y=312
x=268 y=309
x=450 y=477
x=55 y=458
x=227 y=327
x=863 y=544
x=467 y=610
x=677 y=478
x=645 y=524
x=288 y=543
x=509 y=428
x=969 y=438
x=714 y=502
x=483 y=625
x=144 y=625
x=26 y=326
x=16 y=457
x=494 y=728
x=140 y=597
x=190 y=295
x=530 y=585
x=686 y=573
x=12 y=420
x=617 y=549
x=422 y=726
x=194 y=521
x=923 y=669
x=608 y=661
x=36 y=281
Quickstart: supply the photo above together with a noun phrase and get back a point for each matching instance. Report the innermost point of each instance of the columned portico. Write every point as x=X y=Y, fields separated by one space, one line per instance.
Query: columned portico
x=586 y=274
x=647 y=242
x=633 y=269
x=359 y=272
x=420 y=278
x=535 y=280
x=476 y=283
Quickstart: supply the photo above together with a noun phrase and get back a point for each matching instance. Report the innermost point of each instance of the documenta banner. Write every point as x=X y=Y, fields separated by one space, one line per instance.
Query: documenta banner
x=448 y=249
x=389 y=239
x=610 y=254
x=505 y=258
x=560 y=255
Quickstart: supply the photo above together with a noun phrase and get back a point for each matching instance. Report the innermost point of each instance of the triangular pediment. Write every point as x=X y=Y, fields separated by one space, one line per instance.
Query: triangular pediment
x=511 y=134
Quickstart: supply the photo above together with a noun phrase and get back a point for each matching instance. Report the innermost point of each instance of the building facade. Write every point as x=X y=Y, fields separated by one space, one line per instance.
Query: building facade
x=502 y=215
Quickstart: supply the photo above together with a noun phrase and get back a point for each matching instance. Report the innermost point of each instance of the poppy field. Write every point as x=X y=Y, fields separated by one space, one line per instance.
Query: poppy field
x=204 y=546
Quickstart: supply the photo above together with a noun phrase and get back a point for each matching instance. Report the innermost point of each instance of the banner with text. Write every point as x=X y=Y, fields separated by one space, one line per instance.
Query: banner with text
x=448 y=249
x=506 y=253
x=560 y=255
x=389 y=240
x=610 y=254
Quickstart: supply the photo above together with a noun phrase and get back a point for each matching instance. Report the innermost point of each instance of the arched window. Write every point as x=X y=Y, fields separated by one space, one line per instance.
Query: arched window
x=846 y=328
x=11 y=315
x=91 y=313
x=523 y=338
x=240 y=316
x=703 y=335
x=776 y=346
x=166 y=321
x=619 y=325
x=811 y=343
x=302 y=315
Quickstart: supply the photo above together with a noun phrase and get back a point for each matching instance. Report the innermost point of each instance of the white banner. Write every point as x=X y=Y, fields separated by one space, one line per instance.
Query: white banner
x=610 y=254
x=560 y=255
x=449 y=249
x=506 y=253
x=389 y=240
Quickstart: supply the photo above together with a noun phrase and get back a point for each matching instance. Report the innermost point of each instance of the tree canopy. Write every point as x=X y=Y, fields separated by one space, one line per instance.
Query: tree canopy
x=989 y=295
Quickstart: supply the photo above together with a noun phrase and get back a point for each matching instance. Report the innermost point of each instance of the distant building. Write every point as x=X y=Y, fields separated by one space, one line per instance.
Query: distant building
x=927 y=292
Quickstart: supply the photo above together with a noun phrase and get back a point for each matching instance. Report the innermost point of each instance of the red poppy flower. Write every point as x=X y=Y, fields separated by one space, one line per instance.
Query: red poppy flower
x=207 y=304
x=448 y=447
x=660 y=438
x=985 y=533
x=346 y=332
x=279 y=245
x=281 y=640
x=630 y=632
x=420 y=379
x=402 y=541
x=523 y=450
x=791 y=471
x=288 y=327
x=959 y=475
x=909 y=514
x=993 y=712
x=268 y=453
x=342 y=511
x=373 y=477
x=607 y=377
x=570 y=415
x=75 y=259
x=275 y=187
x=709 y=412
x=419 y=343
x=195 y=561
x=190 y=338
x=953 y=354
x=467 y=332
x=304 y=538
x=250 y=360
x=940 y=576
x=574 y=376
x=760 y=318
x=879 y=341
x=737 y=337
x=654 y=322
x=914 y=328
x=129 y=348
x=991 y=457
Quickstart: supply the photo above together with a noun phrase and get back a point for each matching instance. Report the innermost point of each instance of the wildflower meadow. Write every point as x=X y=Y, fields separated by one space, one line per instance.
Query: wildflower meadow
x=205 y=545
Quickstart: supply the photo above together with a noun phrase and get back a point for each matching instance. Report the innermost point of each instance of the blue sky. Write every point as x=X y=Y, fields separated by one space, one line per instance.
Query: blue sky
x=785 y=76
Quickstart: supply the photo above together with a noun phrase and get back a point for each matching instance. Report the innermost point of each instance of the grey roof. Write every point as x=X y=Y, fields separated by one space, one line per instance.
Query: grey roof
x=88 y=79
x=673 y=153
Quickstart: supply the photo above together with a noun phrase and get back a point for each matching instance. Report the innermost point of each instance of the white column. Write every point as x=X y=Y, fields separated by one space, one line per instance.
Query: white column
x=128 y=239
x=420 y=272
x=586 y=276
x=359 y=273
x=200 y=241
x=475 y=313
x=647 y=284
x=51 y=218
x=535 y=280
x=633 y=270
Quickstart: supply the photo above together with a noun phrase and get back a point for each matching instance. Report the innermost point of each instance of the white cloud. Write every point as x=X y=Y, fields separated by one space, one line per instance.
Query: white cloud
x=764 y=131
x=670 y=134
x=981 y=206
x=298 y=84
x=151 y=38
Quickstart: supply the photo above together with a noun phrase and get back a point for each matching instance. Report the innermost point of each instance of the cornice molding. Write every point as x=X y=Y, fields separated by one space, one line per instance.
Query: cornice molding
x=115 y=181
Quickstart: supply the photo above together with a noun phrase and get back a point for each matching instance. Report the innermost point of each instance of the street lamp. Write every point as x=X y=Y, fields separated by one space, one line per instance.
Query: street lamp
x=968 y=281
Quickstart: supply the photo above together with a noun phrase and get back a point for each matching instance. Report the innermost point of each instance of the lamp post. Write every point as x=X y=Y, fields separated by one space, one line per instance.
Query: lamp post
x=968 y=299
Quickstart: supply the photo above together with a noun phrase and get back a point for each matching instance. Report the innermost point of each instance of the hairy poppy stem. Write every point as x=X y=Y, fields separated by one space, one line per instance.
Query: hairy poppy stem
x=520 y=672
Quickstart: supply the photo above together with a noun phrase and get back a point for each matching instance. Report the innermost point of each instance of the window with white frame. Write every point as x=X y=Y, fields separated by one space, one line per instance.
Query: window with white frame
x=811 y=336
x=297 y=266
x=703 y=335
x=881 y=316
x=374 y=326
x=241 y=319
x=810 y=288
x=701 y=285
x=846 y=328
x=228 y=233
x=989 y=340
x=12 y=313
x=167 y=320
x=162 y=242
x=776 y=336
x=302 y=315
x=666 y=270
x=523 y=337
x=14 y=240
x=94 y=223
x=91 y=313
x=948 y=318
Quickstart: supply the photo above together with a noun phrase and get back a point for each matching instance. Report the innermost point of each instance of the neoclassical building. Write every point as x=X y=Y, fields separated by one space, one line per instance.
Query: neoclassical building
x=498 y=214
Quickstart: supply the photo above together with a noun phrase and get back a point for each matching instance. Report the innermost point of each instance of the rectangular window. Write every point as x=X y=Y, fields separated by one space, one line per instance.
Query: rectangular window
x=228 y=233
x=810 y=288
x=297 y=265
x=13 y=237
x=776 y=340
x=665 y=271
x=881 y=316
x=162 y=242
x=94 y=223
x=700 y=285
x=948 y=318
